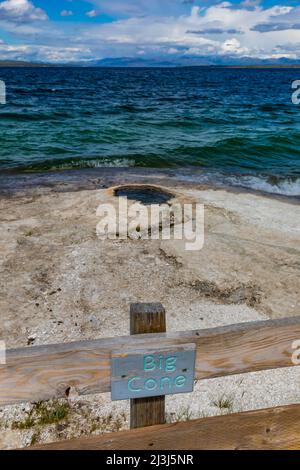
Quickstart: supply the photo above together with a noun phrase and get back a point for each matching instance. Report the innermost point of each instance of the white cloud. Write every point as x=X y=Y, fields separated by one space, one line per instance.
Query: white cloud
x=233 y=46
x=221 y=30
x=166 y=34
x=39 y=53
x=21 y=11
x=91 y=13
x=66 y=13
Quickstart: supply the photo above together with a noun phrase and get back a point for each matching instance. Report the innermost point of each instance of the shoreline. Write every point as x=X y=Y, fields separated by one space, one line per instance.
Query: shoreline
x=12 y=182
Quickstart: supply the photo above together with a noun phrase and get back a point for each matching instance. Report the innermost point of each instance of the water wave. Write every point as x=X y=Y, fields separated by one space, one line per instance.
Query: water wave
x=268 y=184
x=220 y=122
x=79 y=163
x=285 y=187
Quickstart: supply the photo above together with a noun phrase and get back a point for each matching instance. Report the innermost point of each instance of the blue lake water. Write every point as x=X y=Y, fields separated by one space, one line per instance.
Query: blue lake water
x=238 y=125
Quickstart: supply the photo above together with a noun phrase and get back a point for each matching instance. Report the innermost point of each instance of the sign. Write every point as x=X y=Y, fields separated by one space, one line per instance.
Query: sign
x=151 y=372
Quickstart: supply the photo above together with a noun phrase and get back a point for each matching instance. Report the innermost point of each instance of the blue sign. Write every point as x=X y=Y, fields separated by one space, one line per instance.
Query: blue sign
x=149 y=373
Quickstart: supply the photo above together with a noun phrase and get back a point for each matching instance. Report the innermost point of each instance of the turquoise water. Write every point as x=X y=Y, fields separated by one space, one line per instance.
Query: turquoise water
x=234 y=124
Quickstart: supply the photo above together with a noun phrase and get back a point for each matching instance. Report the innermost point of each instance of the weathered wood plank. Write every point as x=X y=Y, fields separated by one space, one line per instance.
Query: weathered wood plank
x=270 y=429
x=44 y=372
x=147 y=318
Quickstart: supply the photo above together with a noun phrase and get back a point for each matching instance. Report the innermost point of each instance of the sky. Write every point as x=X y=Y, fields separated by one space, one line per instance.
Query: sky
x=70 y=31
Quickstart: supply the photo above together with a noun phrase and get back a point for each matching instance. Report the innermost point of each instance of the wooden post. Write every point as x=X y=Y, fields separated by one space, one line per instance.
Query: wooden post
x=147 y=318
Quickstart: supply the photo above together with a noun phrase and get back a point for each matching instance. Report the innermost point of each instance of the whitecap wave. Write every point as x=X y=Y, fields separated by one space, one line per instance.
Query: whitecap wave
x=94 y=163
x=284 y=187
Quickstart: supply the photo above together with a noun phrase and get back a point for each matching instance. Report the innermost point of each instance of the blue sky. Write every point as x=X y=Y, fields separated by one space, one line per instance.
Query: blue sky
x=80 y=30
x=79 y=9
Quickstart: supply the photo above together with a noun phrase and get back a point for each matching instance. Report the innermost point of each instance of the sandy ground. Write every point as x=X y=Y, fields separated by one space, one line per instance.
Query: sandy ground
x=59 y=282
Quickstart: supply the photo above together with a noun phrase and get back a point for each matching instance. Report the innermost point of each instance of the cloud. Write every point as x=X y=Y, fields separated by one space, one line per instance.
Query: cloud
x=285 y=19
x=215 y=31
x=91 y=13
x=267 y=27
x=66 y=13
x=219 y=30
x=233 y=46
x=21 y=11
x=39 y=53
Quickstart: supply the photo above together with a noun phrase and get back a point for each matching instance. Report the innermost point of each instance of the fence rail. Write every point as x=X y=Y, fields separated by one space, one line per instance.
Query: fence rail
x=272 y=429
x=45 y=372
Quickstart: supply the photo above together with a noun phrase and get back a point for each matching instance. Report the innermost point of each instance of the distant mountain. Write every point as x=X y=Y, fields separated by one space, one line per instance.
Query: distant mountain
x=132 y=62
x=153 y=62
x=20 y=63
x=191 y=61
x=179 y=61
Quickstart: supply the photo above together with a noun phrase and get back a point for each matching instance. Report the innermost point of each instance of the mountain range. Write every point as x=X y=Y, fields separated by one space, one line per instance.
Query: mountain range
x=182 y=61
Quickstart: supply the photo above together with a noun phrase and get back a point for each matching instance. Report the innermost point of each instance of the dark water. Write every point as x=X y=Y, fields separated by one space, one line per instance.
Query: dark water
x=144 y=195
x=233 y=124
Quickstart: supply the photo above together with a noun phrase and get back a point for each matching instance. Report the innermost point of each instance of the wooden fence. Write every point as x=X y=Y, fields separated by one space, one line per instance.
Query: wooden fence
x=45 y=372
x=271 y=429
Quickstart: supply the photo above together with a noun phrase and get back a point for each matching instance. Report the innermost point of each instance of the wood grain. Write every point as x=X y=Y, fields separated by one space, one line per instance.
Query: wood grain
x=270 y=429
x=147 y=318
x=44 y=372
